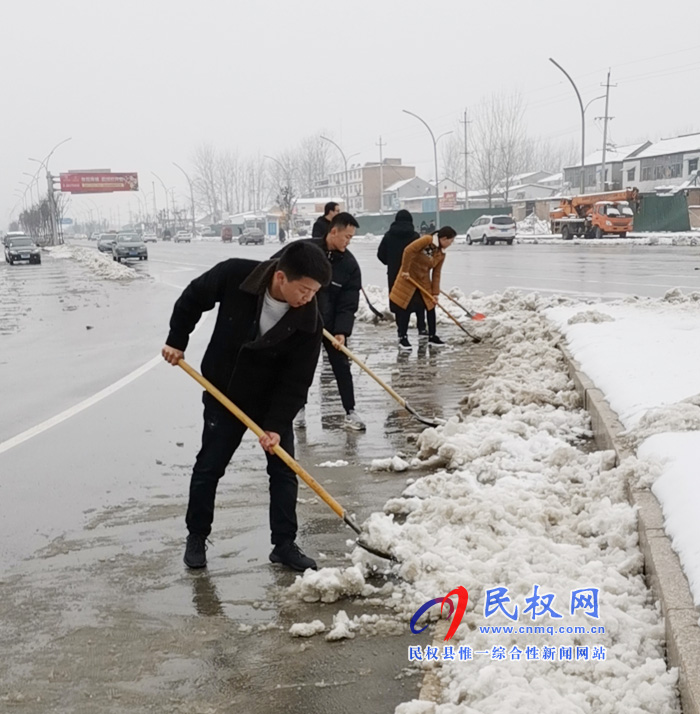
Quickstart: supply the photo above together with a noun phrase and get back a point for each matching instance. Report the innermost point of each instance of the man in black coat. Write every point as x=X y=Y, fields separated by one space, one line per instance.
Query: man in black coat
x=390 y=252
x=262 y=354
x=337 y=304
x=323 y=223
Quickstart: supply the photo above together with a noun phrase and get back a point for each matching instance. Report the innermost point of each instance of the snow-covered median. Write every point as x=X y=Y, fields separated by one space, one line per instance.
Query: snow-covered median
x=520 y=512
x=100 y=264
x=645 y=362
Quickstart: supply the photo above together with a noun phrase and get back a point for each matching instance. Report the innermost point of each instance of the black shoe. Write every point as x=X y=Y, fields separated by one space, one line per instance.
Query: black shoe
x=404 y=344
x=195 y=551
x=436 y=341
x=290 y=554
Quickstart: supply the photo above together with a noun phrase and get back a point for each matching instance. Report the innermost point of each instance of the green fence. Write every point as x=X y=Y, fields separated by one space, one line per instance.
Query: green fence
x=459 y=220
x=662 y=213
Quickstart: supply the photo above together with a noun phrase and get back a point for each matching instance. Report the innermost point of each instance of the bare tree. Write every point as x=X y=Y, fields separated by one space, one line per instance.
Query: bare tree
x=484 y=147
x=314 y=161
x=452 y=155
x=206 y=175
x=508 y=114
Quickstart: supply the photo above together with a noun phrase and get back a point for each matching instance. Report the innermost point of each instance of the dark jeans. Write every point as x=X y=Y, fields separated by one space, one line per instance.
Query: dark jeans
x=221 y=437
x=340 y=364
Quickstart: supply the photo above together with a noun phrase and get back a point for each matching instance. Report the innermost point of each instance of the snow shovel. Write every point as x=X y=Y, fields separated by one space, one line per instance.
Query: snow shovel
x=284 y=456
x=380 y=315
x=472 y=315
x=380 y=382
x=447 y=312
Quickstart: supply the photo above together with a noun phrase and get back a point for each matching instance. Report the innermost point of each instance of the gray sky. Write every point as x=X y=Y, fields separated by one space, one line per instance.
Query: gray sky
x=139 y=84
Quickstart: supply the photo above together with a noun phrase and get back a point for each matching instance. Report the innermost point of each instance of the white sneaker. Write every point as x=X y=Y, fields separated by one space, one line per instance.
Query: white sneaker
x=353 y=421
x=300 y=419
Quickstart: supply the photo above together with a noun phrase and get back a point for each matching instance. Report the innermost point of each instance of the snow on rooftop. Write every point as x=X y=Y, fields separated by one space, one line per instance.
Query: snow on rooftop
x=676 y=145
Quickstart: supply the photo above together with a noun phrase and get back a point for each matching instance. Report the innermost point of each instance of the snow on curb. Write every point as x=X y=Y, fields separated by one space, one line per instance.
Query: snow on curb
x=523 y=507
x=98 y=263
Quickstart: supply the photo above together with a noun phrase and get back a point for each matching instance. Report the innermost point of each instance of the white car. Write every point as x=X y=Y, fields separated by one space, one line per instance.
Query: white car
x=492 y=229
x=183 y=237
x=149 y=238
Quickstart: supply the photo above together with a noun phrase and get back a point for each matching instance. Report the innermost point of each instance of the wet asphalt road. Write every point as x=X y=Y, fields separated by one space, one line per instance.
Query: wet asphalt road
x=98 y=613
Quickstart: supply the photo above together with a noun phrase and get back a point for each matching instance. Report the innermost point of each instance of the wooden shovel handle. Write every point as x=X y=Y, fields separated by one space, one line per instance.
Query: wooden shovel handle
x=279 y=451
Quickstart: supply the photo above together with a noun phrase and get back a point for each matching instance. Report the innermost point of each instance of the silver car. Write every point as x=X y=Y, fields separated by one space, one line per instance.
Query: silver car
x=129 y=246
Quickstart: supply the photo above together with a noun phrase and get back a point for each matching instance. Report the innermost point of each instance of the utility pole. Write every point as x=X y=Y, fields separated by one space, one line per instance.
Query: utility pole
x=465 y=121
x=606 y=118
x=155 y=208
x=381 y=176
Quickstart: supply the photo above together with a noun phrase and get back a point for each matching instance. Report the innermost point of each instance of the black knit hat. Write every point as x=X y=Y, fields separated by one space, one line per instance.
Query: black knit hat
x=404 y=215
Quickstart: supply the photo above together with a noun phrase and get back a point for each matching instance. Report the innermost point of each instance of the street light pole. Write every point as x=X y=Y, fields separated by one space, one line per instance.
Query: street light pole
x=345 y=162
x=435 y=156
x=165 y=191
x=50 y=196
x=583 y=124
x=191 y=197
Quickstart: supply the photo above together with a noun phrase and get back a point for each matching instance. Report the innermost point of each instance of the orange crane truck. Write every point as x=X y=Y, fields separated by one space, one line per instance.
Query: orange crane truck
x=595 y=215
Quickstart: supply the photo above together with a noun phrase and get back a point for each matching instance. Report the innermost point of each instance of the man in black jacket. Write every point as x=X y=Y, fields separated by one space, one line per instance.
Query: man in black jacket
x=390 y=252
x=337 y=304
x=262 y=354
x=323 y=223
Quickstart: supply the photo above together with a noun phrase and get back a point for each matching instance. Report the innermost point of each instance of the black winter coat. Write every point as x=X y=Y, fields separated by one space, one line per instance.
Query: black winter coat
x=268 y=377
x=338 y=302
x=391 y=247
x=321 y=227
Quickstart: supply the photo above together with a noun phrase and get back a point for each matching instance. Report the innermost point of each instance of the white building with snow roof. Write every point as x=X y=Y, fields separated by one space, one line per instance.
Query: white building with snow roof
x=665 y=165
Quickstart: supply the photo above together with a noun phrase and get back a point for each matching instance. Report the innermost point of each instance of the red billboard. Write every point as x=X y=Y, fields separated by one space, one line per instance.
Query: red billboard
x=98 y=182
x=448 y=201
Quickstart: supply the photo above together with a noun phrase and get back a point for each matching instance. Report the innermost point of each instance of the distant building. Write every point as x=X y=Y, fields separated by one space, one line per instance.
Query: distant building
x=664 y=165
x=614 y=178
x=364 y=183
x=411 y=190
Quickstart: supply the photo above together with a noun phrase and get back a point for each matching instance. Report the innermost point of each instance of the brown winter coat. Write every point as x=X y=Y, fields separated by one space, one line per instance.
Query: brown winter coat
x=419 y=259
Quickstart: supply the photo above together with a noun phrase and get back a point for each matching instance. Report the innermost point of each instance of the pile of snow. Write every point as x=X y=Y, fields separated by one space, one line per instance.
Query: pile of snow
x=307 y=629
x=533 y=226
x=518 y=504
x=334 y=464
x=646 y=365
x=100 y=264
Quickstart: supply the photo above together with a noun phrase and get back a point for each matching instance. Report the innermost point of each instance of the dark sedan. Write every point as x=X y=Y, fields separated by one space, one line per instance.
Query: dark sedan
x=129 y=246
x=22 y=249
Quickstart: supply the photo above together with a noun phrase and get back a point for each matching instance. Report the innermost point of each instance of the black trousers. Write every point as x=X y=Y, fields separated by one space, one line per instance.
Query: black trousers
x=221 y=437
x=417 y=305
x=340 y=364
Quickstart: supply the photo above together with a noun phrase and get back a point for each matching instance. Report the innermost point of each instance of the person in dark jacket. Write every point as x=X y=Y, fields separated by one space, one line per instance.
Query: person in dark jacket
x=390 y=252
x=423 y=227
x=262 y=355
x=323 y=223
x=337 y=304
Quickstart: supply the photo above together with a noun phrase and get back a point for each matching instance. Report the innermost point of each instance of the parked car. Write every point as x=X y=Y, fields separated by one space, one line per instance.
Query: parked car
x=105 y=242
x=492 y=229
x=149 y=238
x=21 y=248
x=129 y=245
x=251 y=235
x=183 y=237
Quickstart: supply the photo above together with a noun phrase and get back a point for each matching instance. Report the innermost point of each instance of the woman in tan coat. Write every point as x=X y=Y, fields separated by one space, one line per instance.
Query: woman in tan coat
x=422 y=261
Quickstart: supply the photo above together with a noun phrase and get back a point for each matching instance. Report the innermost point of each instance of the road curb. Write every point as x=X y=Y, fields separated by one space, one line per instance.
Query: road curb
x=661 y=564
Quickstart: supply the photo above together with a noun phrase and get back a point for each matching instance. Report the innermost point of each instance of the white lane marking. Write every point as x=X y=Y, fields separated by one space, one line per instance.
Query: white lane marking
x=86 y=403
x=81 y=406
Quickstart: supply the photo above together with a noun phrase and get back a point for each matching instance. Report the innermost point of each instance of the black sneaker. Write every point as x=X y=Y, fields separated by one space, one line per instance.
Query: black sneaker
x=291 y=555
x=404 y=344
x=436 y=341
x=195 y=551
